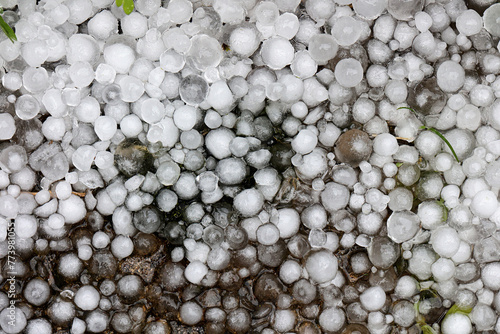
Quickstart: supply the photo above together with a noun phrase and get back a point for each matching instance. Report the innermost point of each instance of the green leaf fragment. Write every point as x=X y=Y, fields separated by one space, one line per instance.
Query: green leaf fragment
x=8 y=30
x=426 y=329
x=128 y=6
x=119 y=3
x=431 y=129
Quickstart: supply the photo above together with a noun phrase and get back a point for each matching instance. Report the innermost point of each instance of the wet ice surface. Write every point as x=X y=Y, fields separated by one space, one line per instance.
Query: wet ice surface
x=251 y=167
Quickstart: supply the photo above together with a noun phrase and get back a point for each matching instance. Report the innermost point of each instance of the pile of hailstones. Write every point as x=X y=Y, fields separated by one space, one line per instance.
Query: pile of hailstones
x=245 y=166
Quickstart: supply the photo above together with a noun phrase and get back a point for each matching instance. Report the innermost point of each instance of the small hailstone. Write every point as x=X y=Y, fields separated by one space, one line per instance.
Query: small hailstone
x=373 y=299
x=195 y=271
x=87 y=298
x=100 y=240
x=490 y=274
x=63 y=190
x=290 y=271
x=456 y=323
x=469 y=22
x=385 y=144
x=56 y=221
x=122 y=246
x=277 y=52
x=349 y=72
x=105 y=127
x=85 y=252
x=445 y=241
x=190 y=313
x=7 y=126
x=322 y=266
x=26 y=226
x=304 y=142
x=484 y=204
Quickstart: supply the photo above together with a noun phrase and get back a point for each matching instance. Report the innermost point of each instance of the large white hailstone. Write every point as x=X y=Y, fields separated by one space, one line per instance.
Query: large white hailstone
x=349 y=72
x=445 y=241
x=284 y=320
x=217 y=142
x=25 y=226
x=220 y=96
x=335 y=196
x=87 y=298
x=287 y=222
x=490 y=274
x=122 y=246
x=332 y=319
x=102 y=25
x=195 y=271
x=120 y=56
x=7 y=126
x=244 y=40
x=73 y=209
x=304 y=142
x=249 y=202
x=450 y=76
x=6 y=320
x=373 y=299
x=456 y=323
x=277 y=52
x=322 y=266
x=385 y=144
x=185 y=117
x=407 y=287
x=443 y=269
x=290 y=271
x=191 y=313
x=469 y=22
x=484 y=204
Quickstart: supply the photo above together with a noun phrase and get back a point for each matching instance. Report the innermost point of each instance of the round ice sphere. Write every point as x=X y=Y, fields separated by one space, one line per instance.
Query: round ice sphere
x=322 y=266
x=56 y=221
x=87 y=298
x=304 y=142
x=25 y=226
x=105 y=127
x=249 y=202
x=244 y=40
x=402 y=226
x=131 y=125
x=303 y=66
x=193 y=89
x=373 y=299
x=83 y=156
x=81 y=73
x=27 y=107
x=450 y=76
x=12 y=80
x=103 y=24
x=385 y=144
x=469 y=22
x=7 y=126
x=53 y=101
x=172 y=61
x=35 y=52
x=131 y=88
x=268 y=234
x=134 y=25
x=120 y=56
x=277 y=52
x=185 y=117
x=349 y=72
x=152 y=111
x=287 y=25
x=105 y=74
x=484 y=204
x=369 y=9
x=35 y=80
x=445 y=241
x=168 y=173
x=180 y=11
x=205 y=51
x=346 y=31
x=490 y=274
x=456 y=323
x=490 y=18
x=322 y=48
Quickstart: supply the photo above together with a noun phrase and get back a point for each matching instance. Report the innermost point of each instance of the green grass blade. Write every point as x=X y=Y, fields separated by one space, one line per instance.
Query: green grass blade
x=119 y=3
x=8 y=30
x=407 y=108
x=443 y=138
x=128 y=6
